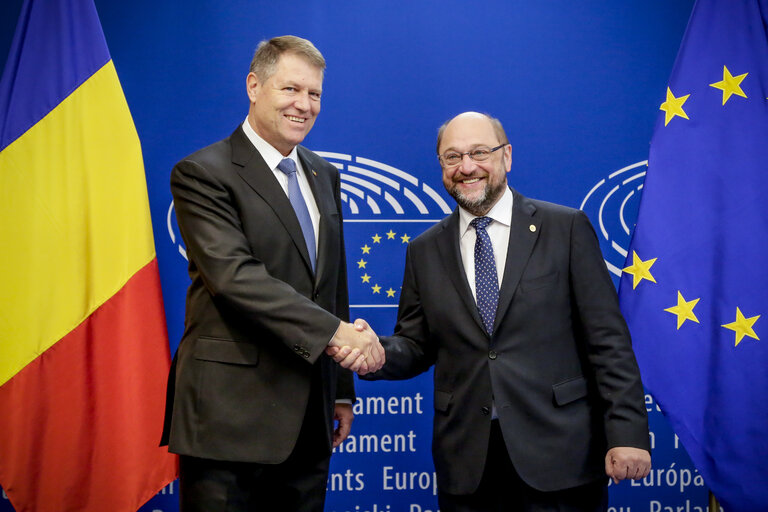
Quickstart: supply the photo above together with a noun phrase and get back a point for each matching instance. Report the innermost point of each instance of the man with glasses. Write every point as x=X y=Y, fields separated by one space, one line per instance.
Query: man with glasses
x=537 y=392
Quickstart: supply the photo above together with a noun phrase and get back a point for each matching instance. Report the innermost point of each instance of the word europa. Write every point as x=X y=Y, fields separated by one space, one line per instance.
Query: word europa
x=408 y=480
x=372 y=405
x=671 y=477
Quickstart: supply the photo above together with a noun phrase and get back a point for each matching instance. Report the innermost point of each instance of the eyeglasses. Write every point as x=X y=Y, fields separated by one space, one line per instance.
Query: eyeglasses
x=479 y=154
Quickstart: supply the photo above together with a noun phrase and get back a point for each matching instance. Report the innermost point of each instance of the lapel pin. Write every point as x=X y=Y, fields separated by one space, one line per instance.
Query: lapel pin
x=314 y=172
x=532 y=228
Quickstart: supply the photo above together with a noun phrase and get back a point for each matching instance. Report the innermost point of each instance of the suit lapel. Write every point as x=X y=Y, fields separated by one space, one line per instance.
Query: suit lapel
x=448 y=245
x=523 y=233
x=324 y=198
x=261 y=179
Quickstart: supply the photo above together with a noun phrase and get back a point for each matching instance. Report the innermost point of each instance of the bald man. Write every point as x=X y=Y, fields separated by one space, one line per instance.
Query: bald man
x=538 y=397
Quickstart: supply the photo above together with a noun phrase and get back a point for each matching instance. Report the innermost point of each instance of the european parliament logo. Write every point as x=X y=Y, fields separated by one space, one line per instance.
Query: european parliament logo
x=384 y=208
x=614 y=202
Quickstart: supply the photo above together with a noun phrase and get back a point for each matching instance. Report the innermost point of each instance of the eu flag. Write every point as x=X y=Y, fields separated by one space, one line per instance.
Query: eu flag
x=695 y=287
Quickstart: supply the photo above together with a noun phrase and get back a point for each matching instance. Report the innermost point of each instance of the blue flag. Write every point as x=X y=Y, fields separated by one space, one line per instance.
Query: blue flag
x=695 y=287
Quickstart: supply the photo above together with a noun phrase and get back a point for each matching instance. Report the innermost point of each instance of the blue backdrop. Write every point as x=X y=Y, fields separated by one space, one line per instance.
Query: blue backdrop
x=576 y=84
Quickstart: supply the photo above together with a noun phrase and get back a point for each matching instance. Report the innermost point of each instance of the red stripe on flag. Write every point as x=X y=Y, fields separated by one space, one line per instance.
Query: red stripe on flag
x=80 y=425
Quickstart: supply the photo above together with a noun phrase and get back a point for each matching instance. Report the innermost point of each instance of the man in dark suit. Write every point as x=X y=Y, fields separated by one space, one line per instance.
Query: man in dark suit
x=537 y=392
x=252 y=395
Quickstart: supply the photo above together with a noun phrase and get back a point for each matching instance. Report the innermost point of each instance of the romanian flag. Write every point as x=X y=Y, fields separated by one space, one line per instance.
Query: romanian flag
x=695 y=288
x=84 y=354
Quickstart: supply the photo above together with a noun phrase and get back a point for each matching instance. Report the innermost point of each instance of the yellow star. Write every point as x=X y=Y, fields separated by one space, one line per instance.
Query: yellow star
x=683 y=310
x=640 y=270
x=673 y=106
x=405 y=239
x=391 y=235
x=366 y=249
x=376 y=288
x=376 y=238
x=730 y=85
x=390 y=292
x=366 y=278
x=742 y=326
x=361 y=263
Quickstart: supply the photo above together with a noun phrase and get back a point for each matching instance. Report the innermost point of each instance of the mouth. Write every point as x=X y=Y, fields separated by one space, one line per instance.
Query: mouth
x=296 y=119
x=470 y=181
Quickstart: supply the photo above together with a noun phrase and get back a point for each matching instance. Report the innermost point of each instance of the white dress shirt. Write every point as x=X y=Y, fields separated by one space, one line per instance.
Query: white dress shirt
x=498 y=231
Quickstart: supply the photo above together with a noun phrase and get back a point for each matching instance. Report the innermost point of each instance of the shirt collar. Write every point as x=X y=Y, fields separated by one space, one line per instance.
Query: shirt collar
x=270 y=155
x=500 y=212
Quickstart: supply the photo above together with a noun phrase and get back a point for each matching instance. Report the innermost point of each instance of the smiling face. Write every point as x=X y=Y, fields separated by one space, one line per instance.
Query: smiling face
x=285 y=105
x=476 y=186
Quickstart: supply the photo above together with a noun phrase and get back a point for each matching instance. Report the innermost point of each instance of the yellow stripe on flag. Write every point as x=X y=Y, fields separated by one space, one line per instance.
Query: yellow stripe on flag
x=74 y=218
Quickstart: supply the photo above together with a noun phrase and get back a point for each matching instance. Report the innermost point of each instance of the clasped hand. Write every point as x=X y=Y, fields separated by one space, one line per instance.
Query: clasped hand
x=356 y=347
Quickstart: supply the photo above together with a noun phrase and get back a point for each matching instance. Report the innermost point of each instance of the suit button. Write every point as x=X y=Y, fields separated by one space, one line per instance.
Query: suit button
x=492 y=354
x=486 y=411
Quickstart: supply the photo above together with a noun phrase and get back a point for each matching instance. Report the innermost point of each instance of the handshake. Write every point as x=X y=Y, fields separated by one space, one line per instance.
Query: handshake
x=356 y=347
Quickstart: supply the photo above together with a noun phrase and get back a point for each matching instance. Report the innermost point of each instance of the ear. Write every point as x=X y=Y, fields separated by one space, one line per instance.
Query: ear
x=508 y=157
x=252 y=86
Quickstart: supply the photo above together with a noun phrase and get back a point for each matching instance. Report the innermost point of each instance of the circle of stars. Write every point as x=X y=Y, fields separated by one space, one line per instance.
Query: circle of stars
x=376 y=289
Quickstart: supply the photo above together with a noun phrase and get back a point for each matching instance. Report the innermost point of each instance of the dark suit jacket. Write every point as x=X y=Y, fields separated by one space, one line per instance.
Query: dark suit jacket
x=257 y=319
x=559 y=365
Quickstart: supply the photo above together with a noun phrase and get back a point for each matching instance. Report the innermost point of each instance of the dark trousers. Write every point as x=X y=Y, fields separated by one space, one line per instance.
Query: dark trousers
x=502 y=490
x=296 y=485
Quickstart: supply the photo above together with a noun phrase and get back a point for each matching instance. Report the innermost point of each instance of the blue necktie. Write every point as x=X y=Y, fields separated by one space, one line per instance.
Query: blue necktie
x=288 y=166
x=486 y=282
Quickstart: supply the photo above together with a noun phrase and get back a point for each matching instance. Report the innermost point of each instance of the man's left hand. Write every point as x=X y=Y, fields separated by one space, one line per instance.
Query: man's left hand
x=624 y=462
x=342 y=413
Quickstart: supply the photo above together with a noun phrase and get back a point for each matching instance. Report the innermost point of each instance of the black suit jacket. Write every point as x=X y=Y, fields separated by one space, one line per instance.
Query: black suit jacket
x=257 y=318
x=559 y=365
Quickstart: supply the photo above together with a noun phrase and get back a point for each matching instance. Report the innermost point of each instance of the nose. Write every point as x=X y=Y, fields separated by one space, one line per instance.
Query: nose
x=467 y=165
x=302 y=101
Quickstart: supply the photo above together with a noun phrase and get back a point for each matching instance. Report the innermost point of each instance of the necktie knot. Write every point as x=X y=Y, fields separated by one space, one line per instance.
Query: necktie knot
x=287 y=165
x=480 y=222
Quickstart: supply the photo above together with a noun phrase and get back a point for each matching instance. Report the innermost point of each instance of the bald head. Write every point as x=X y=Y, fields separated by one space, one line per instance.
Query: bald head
x=468 y=121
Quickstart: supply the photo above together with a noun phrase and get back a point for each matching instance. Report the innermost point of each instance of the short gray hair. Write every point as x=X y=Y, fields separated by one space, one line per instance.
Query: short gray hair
x=267 y=54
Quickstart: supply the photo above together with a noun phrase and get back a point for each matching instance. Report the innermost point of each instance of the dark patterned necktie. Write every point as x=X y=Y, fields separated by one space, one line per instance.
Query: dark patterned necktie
x=486 y=281
x=288 y=166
